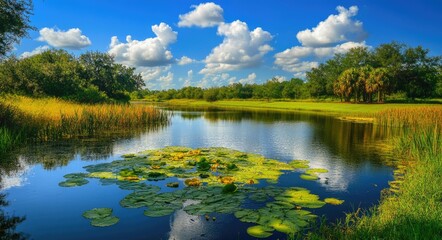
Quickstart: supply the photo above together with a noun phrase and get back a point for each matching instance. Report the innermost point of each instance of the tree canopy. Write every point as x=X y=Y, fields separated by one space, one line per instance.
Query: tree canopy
x=14 y=23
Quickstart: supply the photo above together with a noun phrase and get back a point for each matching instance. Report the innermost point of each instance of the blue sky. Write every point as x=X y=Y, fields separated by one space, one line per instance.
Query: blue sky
x=177 y=43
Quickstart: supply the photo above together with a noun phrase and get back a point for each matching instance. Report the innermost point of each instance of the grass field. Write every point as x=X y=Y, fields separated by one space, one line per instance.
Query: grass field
x=351 y=109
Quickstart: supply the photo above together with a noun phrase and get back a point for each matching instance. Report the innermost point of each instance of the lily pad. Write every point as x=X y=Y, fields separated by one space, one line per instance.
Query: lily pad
x=230 y=188
x=316 y=170
x=309 y=177
x=158 y=211
x=97 y=213
x=73 y=182
x=105 y=222
x=333 y=201
x=260 y=231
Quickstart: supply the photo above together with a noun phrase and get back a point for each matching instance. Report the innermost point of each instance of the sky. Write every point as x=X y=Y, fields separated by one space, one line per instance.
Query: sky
x=179 y=43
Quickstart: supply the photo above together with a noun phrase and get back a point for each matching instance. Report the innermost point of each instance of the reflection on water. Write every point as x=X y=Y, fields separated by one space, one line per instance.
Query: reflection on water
x=352 y=152
x=9 y=223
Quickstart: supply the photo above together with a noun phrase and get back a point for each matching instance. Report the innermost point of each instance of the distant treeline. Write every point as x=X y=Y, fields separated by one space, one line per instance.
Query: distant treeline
x=361 y=75
x=91 y=78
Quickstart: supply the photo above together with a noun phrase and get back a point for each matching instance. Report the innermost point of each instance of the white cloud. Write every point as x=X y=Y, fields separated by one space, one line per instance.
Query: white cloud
x=334 y=30
x=37 y=50
x=71 y=39
x=337 y=34
x=150 y=52
x=280 y=78
x=184 y=60
x=188 y=80
x=249 y=80
x=240 y=48
x=166 y=78
x=204 y=15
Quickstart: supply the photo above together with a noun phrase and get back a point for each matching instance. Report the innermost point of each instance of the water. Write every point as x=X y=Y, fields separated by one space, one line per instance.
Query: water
x=352 y=152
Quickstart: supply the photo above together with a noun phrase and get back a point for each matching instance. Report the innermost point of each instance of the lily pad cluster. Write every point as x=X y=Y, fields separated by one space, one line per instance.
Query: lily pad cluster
x=213 y=180
x=101 y=217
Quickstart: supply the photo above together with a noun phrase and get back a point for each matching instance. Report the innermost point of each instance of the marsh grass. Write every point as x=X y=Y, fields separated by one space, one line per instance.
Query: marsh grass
x=29 y=119
x=412 y=207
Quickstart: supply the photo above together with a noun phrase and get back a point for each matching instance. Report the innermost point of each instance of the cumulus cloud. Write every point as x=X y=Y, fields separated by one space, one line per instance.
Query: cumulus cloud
x=37 y=50
x=188 y=80
x=70 y=39
x=204 y=15
x=185 y=60
x=337 y=34
x=150 y=52
x=250 y=79
x=334 y=30
x=240 y=48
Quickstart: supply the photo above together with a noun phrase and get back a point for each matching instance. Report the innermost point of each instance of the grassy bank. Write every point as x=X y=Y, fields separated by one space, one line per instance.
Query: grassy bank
x=29 y=119
x=322 y=107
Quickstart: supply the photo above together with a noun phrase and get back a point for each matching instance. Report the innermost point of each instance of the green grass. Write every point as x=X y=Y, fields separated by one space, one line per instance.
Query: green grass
x=322 y=107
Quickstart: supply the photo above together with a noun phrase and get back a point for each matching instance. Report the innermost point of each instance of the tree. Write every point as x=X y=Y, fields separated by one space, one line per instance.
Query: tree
x=376 y=83
x=14 y=23
x=346 y=83
x=420 y=73
x=114 y=79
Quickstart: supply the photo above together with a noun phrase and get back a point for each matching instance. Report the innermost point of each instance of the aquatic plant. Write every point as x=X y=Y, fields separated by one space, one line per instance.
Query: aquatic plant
x=221 y=189
x=101 y=217
x=30 y=119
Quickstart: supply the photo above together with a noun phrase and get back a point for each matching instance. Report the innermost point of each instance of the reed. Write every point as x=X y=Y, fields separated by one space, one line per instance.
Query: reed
x=412 y=207
x=51 y=119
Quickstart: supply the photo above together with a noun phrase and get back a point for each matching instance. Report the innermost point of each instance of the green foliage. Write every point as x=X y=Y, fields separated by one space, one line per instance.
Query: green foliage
x=101 y=217
x=14 y=23
x=92 y=78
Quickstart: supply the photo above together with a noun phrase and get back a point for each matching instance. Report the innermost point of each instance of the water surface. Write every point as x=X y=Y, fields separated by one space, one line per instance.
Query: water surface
x=352 y=152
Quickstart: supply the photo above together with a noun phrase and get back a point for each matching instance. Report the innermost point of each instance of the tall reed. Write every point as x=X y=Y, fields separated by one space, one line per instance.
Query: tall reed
x=51 y=119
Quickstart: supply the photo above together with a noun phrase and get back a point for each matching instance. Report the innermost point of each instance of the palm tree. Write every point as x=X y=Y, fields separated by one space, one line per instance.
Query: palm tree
x=377 y=82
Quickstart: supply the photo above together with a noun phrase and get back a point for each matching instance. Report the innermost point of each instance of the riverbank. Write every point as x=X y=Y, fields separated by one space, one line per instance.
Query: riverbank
x=412 y=207
x=24 y=119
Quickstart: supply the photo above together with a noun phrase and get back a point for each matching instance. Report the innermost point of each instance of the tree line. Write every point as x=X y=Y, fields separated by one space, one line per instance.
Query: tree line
x=360 y=75
x=90 y=78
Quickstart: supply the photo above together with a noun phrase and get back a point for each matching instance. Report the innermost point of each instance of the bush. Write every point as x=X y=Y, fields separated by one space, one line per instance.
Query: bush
x=91 y=94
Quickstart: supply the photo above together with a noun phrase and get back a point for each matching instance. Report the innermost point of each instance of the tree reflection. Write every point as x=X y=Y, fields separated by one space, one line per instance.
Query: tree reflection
x=9 y=223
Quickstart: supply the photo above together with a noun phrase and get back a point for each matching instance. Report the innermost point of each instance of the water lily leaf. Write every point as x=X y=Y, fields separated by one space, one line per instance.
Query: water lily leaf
x=105 y=222
x=97 y=213
x=76 y=175
x=247 y=215
x=298 y=164
x=158 y=211
x=73 y=182
x=130 y=185
x=333 y=201
x=316 y=170
x=106 y=175
x=309 y=177
x=260 y=231
x=259 y=197
x=230 y=188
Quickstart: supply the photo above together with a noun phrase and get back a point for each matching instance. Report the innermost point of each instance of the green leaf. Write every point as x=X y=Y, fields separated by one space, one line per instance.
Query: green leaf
x=97 y=213
x=105 y=222
x=260 y=231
